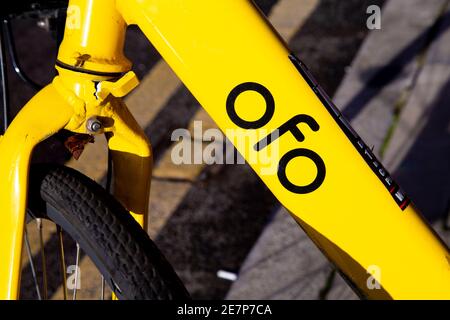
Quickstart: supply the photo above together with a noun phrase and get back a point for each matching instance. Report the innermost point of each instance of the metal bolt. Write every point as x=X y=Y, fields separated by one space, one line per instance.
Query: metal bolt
x=94 y=125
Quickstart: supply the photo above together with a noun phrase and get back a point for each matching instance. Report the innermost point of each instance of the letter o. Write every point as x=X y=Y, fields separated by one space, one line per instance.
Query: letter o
x=301 y=153
x=264 y=92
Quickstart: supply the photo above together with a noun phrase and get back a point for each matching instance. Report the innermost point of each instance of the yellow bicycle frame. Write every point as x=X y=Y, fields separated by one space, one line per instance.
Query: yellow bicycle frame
x=242 y=73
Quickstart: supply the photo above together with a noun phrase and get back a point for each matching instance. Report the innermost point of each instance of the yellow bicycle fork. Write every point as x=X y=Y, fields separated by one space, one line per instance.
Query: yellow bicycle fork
x=242 y=73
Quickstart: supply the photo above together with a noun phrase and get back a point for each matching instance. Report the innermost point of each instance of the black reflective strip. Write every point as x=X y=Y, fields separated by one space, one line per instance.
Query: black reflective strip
x=397 y=194
x=304 y=71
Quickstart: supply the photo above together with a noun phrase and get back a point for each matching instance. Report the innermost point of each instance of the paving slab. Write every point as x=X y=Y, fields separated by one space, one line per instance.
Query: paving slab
x=418 y=151
x=386 y=67
x=282 y=265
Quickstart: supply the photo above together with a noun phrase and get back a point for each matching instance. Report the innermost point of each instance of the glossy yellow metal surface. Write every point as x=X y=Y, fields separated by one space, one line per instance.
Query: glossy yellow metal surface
x=44 y=115
x=132 y=162
x=94 y=37
x=68 y=103
x=100 y=97
x=90 y=60
x=216 y=46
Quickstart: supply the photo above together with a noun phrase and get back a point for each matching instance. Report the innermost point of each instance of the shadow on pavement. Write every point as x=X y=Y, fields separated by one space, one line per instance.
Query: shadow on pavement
x=424 y=173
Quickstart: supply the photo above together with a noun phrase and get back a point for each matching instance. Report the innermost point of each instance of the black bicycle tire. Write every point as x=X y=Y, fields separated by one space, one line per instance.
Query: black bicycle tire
x=105 y=231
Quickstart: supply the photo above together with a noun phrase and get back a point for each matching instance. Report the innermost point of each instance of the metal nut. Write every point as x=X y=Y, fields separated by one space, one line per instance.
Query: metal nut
x=94 y=124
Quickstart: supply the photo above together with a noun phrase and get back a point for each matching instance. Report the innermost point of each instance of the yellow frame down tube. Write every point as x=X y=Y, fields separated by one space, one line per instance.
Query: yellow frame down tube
x=242 y=73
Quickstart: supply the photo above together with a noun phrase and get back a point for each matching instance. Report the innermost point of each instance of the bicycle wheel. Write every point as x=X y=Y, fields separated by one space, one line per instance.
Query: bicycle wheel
x=96 y=227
